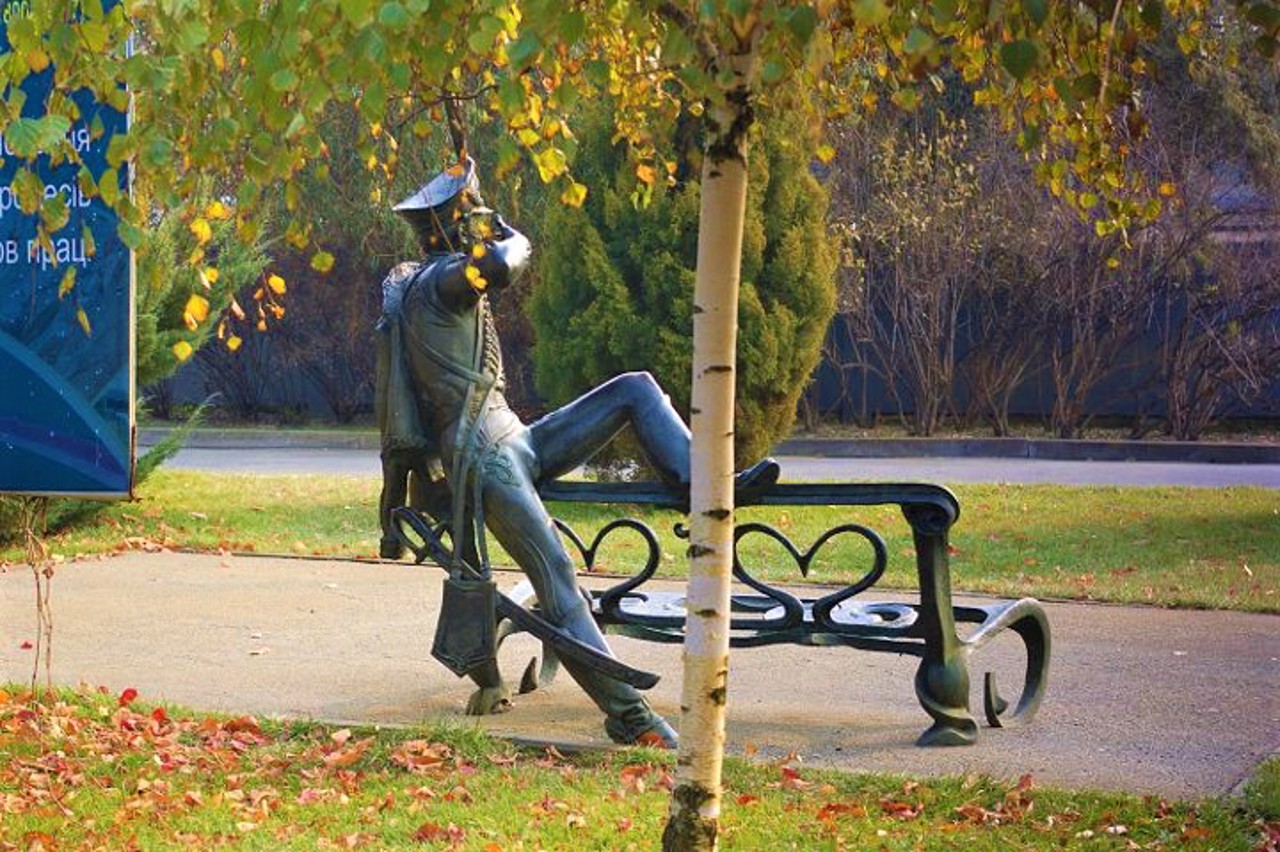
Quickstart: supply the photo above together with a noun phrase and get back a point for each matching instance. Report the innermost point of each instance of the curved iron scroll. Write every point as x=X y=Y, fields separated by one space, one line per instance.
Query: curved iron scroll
x=611 y=598
x=1027 y=619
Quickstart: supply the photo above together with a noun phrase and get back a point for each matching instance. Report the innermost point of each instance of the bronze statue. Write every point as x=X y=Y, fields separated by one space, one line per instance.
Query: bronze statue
x=445 y=420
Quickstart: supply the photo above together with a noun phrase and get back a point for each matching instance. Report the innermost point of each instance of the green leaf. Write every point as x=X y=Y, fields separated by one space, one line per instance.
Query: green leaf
x=394 y=16
x=1265 y=15
x=1087 y=86
x=54 y=213
x=677 y=47
x=30 y=137
x=523 y=50
x=918 y=41
x=29 y=189
x=23 y=137
x=131 y=235
x=870 y=13
x=1152 y=13
x=944 y=11
x=284 y=80
x=109 y=186
x=358 y=12
x=1066 y=91
x=772 y=72
x=95 y=35
x=1037 y=10
x=906 y=99
x=1019 y=57
x=597 y=72
x=192 y=36
x=572 y=27
x=157 y=153
x=802 y=21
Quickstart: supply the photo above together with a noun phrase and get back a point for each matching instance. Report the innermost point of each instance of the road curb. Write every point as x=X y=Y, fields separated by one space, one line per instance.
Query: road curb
x=1034 y=448
x=265 y=439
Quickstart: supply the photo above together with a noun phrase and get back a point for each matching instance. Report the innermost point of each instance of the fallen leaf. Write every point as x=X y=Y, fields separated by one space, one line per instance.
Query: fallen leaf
x=127 y=697
x=344 y=757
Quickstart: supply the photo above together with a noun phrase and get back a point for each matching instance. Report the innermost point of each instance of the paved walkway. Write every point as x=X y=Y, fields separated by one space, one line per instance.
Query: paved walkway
x=1179 y=704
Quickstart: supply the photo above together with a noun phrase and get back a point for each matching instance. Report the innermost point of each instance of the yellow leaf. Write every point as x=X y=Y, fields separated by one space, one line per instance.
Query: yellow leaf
x=276 y=283
x=202 y=231
x=83 y=319
x=182 y=350
x=197 y=307
x=233 y=343
x=574 y=194
x=68 y=282
x=1168 y=189
x=322 y=261
x=217 y=210
x=37 y=60
x=826 y=153
x=645 y=173
x=528 y=137
x=219 y=59
x=211 y=274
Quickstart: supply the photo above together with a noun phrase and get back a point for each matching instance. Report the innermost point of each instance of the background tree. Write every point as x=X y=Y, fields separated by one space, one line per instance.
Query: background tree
x=616 y=280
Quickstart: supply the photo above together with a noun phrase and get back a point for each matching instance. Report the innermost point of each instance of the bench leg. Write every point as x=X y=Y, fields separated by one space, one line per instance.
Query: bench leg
x=942 y=680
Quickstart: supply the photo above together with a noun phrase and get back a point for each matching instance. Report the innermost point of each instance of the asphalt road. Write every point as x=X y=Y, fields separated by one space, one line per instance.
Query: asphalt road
x=364 y=462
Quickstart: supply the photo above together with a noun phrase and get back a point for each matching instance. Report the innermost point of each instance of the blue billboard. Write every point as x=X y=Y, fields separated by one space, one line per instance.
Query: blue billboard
x=66 y=320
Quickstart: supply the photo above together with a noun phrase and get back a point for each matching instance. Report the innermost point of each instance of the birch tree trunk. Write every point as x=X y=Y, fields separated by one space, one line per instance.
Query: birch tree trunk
x=693 y=822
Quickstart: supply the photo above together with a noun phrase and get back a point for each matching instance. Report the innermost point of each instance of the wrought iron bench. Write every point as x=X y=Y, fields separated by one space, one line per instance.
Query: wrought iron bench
x=769 y=615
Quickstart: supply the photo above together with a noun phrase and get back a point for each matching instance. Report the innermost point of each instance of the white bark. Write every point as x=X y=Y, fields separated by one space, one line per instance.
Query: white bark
x=695 y=806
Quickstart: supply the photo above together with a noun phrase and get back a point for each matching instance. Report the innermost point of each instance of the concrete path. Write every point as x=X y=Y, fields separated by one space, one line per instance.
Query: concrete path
x=1178 y=704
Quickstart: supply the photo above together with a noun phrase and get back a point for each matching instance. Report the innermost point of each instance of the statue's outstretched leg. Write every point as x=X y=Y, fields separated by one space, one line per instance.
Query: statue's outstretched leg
x=572 y=434
x=516 y=517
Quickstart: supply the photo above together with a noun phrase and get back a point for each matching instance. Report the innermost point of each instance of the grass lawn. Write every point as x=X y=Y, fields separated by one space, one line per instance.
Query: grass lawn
x=94 y=771
x=1216 y=548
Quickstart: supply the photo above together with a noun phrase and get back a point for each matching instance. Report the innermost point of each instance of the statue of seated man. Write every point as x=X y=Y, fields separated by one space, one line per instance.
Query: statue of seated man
x=444 y=416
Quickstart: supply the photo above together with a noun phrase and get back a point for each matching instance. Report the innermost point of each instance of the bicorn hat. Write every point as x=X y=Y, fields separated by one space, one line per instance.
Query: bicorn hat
x=433 y=209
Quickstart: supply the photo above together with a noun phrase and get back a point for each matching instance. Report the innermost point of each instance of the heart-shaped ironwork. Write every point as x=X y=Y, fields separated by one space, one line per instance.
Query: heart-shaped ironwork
x=822 y=607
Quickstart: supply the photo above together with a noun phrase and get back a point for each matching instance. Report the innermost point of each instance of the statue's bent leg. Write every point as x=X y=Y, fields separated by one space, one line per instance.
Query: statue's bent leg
x=520 y=523
x=572 y=434
x=395 y=482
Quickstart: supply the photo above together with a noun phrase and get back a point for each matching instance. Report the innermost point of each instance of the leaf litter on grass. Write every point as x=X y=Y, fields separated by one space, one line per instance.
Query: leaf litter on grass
x=97 y=771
